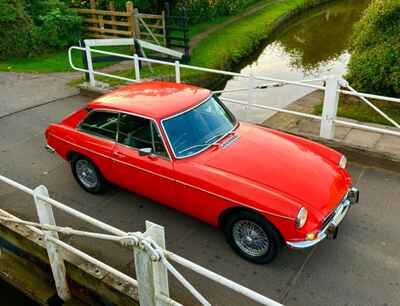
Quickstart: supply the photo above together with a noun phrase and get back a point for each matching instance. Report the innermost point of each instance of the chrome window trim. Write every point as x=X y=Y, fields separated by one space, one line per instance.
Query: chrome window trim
x=188 y=110
x=119 y=112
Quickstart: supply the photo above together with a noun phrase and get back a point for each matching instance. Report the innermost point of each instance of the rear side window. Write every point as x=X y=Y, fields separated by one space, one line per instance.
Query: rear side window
x=102 y=124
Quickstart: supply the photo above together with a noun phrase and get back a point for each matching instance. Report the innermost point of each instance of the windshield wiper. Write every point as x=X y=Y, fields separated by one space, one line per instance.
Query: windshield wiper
x=193 y=147
x=208 y=142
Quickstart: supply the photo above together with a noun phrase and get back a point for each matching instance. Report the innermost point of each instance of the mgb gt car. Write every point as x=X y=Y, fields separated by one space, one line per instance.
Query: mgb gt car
x=179 y=145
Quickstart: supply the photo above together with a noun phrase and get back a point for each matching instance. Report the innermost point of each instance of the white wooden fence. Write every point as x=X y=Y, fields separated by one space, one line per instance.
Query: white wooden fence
x=331 y=85
x=152 y=261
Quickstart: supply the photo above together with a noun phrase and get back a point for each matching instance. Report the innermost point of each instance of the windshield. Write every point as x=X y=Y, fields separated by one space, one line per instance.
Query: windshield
x=195 y=130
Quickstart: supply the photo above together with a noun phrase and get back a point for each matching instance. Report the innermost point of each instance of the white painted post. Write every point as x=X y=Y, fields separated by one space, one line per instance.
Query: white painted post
x=177 y=72
x=90 y=66
x=330 y=107
x=137 y=67
x=46 y=216
x=152 y=276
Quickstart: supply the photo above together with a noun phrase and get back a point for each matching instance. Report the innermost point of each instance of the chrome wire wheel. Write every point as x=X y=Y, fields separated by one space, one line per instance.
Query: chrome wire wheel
x=86 y=173
x=250 y=238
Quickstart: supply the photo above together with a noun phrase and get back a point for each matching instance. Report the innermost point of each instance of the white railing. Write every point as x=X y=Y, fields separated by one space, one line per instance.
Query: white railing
x=152 y=260
x=332 y=87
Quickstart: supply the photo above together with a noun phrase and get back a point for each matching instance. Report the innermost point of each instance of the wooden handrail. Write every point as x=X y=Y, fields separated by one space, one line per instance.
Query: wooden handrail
x=101 y=12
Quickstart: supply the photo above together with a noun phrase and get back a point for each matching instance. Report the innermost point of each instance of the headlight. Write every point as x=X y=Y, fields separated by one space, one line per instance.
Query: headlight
x=301 y=217
x=343 y=162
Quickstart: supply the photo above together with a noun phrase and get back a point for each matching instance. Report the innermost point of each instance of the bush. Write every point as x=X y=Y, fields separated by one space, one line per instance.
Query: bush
x=375 y=61
x=31 y=27
x=17 y=31
x=202 y=10
x=60 y=27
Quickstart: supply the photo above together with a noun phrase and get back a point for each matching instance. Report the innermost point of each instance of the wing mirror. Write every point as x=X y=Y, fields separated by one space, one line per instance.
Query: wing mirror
x=145 y=151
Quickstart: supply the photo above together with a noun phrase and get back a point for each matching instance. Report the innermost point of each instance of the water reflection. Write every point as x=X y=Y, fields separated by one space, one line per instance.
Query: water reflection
x=320 y=36
x=312 y=45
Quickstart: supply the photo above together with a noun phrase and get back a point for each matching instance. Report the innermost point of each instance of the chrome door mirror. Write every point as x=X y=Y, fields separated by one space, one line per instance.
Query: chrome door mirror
x=145 y=151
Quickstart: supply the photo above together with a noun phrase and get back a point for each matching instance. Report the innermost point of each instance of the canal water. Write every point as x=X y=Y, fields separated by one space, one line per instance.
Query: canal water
x=311 y=45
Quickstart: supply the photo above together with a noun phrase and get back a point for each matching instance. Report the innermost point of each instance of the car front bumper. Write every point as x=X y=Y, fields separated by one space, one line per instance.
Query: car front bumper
x=330 y=230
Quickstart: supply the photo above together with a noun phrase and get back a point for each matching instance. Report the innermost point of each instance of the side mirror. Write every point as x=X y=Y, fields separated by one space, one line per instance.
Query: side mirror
x=145 y=151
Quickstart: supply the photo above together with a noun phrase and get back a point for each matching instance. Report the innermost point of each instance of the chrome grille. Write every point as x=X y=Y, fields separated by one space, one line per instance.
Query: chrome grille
x=332 y=214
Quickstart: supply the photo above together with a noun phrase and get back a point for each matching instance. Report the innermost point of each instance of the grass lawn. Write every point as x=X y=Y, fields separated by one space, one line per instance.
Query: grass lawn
x=56 y=62
x=358 y=110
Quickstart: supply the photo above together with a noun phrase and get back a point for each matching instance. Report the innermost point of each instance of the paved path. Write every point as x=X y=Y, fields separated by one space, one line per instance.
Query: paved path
x=361 y=268
x=23 y=90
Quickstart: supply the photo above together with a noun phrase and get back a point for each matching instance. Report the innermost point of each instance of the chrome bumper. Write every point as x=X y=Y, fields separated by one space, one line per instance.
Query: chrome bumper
x=49 y=149
x=330 y=230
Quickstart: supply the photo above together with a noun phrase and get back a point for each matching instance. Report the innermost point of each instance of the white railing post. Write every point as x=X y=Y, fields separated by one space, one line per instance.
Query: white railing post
x=137 y=67
x=152 y=276
x=330 y=107
x=90 y=66
x=46 y=216
x=177 y=71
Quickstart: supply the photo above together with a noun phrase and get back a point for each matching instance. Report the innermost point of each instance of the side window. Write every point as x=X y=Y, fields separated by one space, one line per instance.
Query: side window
x=140 y=133
x=134 y=132
x=103 y=124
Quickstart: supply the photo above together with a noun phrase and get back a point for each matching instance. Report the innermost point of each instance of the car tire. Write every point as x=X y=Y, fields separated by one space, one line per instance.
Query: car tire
x=252 y=237
x=87 y=174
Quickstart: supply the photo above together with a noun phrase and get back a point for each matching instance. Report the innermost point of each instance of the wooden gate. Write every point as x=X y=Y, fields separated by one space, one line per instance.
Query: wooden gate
x=129 y=23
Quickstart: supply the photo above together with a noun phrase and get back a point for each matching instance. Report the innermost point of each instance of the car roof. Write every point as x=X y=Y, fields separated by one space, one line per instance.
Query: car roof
x=154 y=99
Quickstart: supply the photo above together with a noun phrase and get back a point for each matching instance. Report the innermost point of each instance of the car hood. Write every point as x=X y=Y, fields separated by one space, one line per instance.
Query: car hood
x=283 y=165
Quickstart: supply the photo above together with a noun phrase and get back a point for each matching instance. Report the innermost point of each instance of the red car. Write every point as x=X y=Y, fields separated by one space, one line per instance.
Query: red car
x=179 y=145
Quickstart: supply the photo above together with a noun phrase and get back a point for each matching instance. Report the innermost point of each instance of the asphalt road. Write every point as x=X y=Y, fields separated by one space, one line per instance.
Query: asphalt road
x=362 y=267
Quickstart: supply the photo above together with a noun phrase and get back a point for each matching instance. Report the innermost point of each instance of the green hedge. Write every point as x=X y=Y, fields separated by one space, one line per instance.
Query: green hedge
x=17 y=31
x=375 y=61
x=29 y=28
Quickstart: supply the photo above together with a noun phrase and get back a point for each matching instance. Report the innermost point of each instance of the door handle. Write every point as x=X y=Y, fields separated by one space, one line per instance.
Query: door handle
x=119 y=154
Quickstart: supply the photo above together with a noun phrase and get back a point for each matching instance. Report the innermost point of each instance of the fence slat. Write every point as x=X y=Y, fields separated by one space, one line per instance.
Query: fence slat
x=150 y=16
x=105 y=21
x=101 y=12
x=154 y=26
x=151 y=34
x=111 y=7
x=110 y=31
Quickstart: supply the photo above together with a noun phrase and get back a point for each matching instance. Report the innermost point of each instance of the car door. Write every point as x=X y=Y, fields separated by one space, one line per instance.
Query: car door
x=96 y=137
x=151 y=175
